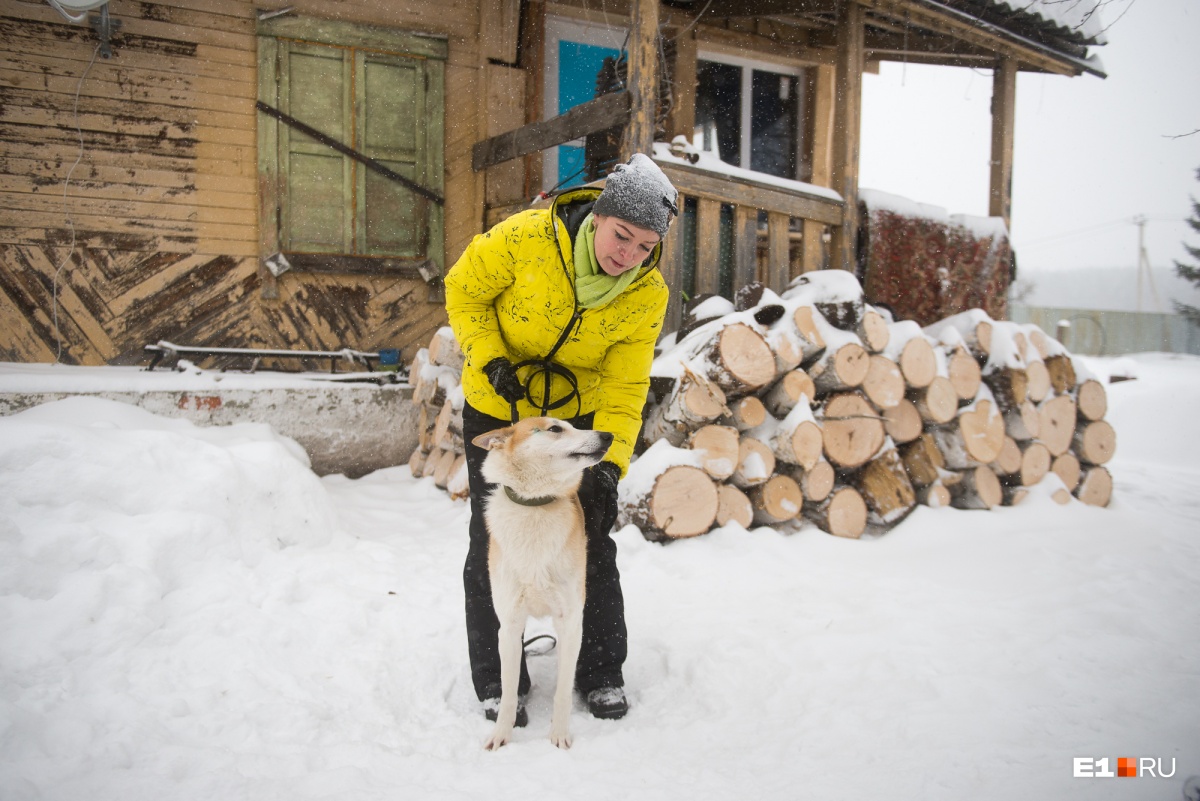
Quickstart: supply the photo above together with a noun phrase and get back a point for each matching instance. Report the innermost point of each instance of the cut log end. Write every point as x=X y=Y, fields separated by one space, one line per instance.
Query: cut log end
x=884 y=384
x=1035 y=463
x=918 y=362
x=733 y=506
x=937 y=403
x=977 y=488
x=746 y=413
x=718 y=446
x=787 y=392
x=935 y=496
x=1066 y=466
x=1009 y=461
x=845 y=368
x=964 y=374
x=745 y=360
x=776 y=501
x=756 y=463
x=1092 y=399
x=1095 y=442
x=1056 y=424
x=873 y=331
x=816 y=482
x=852 y=430
x=1096 y=487
x=975 y=438
x=903 y=422
x=843 y=513
x=1037 y=385
x=683 y=503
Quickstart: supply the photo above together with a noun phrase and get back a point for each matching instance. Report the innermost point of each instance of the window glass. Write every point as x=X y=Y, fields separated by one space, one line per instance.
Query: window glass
x=719 y=110
x=773 y=114
x=749 y=116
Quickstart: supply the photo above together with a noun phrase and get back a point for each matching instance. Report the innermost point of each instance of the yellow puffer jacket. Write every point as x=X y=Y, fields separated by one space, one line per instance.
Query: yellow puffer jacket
x=512 y=293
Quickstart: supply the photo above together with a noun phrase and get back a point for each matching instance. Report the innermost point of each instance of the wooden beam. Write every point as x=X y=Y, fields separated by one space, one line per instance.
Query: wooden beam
x=606 y=111
x=1004 y=103
x=742 y=192
x=779 y=251
x=846 y=132
x=682 y=121
x=642 y=78
x=708 y=247
x=504 y=104
x=671 y=267
x=824 y=84
x=724 y=9
x=745 y=246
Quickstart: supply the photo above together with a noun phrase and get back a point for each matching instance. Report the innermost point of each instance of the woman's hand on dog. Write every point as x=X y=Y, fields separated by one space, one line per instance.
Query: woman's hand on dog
x=605 y=476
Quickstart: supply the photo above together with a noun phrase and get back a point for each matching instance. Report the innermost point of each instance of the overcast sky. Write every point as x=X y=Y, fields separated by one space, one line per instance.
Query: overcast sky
x=1090 y=154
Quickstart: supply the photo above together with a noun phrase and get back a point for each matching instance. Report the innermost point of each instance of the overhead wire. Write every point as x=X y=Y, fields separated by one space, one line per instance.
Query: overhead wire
x=66 y=211
x=1088 y=229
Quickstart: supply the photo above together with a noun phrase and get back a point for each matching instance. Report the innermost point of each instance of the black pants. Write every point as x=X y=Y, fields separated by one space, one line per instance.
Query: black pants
x=604 y=634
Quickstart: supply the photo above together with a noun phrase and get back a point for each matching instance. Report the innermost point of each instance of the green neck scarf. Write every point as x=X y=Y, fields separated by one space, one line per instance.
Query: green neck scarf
x=594 y=287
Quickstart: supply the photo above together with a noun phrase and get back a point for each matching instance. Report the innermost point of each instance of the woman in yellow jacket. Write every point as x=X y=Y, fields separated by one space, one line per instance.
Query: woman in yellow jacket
x=558 y=311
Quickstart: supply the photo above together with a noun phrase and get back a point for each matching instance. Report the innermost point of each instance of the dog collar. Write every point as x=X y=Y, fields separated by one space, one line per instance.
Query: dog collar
x=515 y=498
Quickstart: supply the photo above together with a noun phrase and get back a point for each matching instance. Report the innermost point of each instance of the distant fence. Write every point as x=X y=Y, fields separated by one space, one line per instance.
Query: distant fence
x=1111 y=333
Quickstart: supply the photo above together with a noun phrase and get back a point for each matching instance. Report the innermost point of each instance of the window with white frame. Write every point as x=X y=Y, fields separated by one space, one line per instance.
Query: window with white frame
x=750 y=114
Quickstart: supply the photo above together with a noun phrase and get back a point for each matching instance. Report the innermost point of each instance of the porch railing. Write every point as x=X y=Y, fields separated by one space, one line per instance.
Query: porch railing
x=734 y=231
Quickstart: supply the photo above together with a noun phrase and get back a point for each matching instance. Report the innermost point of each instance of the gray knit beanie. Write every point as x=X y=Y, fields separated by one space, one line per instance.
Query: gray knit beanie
x=640 y=193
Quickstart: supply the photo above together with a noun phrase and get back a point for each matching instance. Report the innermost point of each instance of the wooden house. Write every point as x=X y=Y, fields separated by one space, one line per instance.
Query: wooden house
x=301 y=174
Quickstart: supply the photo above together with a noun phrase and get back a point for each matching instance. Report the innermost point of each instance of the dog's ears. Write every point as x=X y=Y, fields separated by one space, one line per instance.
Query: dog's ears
x=493 y=439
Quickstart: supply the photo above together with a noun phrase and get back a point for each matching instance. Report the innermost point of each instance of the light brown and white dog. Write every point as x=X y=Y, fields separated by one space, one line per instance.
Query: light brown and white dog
x=537 y=552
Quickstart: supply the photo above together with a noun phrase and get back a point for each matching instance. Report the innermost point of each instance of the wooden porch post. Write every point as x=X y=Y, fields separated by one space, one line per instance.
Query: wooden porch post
x=1004 y=102
x=847 y=122
x=643 y=79
x=814 y=256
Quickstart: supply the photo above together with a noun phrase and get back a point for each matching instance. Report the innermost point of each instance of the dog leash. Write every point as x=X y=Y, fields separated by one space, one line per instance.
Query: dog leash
x=547 y=369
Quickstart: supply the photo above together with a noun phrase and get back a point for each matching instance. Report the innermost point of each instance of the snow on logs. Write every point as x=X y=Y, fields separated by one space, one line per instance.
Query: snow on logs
x=813 y=405
x=875 y=417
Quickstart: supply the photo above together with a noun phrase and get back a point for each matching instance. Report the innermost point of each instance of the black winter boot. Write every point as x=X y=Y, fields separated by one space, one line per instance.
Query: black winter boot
x=491 y=710
x=608 y=703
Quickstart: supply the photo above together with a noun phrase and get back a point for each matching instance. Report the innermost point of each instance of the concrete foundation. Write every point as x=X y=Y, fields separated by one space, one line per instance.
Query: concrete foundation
x=352 y=429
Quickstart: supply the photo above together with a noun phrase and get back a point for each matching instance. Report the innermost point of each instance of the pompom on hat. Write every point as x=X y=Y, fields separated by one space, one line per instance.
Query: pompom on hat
x=639 y=193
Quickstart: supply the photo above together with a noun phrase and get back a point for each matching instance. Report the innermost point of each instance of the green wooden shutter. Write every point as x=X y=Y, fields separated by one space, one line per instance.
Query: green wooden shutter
x=390 y=102
x=380 y=92
x=314 y=87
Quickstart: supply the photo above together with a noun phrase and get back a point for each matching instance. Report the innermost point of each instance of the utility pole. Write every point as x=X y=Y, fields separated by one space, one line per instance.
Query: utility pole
x=1144 y=272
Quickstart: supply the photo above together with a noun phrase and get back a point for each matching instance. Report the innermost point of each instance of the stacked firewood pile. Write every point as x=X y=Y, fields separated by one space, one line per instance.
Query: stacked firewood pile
x=436 y=378
x=813 y=405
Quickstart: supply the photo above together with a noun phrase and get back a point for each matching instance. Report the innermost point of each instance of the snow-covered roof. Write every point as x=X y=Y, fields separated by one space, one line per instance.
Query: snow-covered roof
x=1075 y=20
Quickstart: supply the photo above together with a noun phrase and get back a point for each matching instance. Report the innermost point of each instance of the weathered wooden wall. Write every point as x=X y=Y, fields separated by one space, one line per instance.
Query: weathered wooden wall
x=155 y=233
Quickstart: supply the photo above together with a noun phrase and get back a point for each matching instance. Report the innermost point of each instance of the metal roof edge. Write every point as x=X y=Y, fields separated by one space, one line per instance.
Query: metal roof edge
x=1091 y=64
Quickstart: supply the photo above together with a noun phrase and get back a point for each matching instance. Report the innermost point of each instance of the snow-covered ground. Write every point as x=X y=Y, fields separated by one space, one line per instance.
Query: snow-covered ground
x=190 y=613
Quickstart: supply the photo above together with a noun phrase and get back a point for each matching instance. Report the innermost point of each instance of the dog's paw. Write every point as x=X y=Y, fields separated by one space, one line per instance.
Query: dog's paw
x=498 y=738
x=561 y=739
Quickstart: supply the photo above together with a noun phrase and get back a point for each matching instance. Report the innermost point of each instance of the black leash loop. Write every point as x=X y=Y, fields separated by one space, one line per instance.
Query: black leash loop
x=546 y=370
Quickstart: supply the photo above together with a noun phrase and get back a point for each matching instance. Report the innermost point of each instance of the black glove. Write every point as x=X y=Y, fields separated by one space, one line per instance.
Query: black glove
x=503 y=377
x=605 y=476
